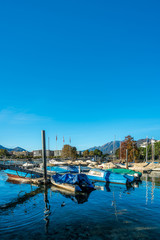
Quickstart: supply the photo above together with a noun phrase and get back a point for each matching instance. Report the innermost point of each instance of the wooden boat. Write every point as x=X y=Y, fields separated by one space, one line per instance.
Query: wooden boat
x=20 y=176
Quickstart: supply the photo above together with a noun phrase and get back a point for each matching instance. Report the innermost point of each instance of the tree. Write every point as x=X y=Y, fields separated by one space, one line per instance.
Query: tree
x=69 y=152
x=97 y=152
x=91 y=153
x=86 y=153
x=4 y=153
x=131 y=146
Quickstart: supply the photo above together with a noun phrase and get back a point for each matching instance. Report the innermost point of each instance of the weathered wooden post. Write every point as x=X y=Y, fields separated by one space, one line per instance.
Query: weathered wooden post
x=126 y=158
x=44 y=157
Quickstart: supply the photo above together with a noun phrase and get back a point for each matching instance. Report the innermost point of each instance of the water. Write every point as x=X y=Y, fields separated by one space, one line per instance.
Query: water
x=110 y=212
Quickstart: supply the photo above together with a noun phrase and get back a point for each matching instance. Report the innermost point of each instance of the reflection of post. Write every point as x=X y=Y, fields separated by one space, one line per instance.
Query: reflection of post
x=115 y=207
x=47 y=208
x=126 y=158
x=146 y=189
x=152 y=192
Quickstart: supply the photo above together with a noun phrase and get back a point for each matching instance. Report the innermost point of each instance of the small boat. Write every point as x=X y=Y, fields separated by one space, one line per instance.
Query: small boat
x=20 y=176
x=54 y=162
x=108 y=176
x=136 y=175
x=63 y=169
x=73 y=183
x=30 y=165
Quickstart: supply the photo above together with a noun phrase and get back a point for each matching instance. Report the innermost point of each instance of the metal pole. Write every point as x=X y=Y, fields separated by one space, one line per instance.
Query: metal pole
x=146 y=149
x=44 y=156
x=126 y=158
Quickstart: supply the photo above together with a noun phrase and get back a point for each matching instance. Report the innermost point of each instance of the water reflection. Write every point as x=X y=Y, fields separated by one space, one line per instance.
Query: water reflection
x=47 y=211
x=78 y=198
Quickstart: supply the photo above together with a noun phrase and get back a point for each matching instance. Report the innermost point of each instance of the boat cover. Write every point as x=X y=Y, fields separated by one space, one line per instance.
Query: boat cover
x=124 y=171
x=77 y=179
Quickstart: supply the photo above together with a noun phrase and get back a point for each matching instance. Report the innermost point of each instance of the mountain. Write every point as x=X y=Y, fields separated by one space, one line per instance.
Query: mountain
x=141 y=141
x=107 y=148
x=16 y=149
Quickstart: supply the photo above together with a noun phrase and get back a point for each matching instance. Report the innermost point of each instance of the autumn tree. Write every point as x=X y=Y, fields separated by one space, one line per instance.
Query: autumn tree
x=69 y=152
x=131 y=146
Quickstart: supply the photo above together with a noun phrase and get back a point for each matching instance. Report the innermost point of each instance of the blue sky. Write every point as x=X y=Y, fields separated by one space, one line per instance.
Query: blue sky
x=88 y=70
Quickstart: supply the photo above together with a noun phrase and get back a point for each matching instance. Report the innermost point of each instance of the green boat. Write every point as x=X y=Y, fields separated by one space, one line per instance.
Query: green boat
x=137 y=175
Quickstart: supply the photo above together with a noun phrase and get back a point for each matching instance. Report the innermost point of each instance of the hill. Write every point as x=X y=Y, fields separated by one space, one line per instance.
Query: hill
x=106 y=148
x=16 y=149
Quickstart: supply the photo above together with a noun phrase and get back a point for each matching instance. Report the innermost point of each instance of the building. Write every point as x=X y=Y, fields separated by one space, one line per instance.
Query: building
x=38 y=153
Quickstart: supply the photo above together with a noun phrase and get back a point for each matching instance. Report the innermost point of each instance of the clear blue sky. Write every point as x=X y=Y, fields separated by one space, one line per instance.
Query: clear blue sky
x=88 y=70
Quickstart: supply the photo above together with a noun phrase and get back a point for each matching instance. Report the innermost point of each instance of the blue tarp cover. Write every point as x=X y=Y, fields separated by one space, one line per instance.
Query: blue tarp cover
x=78 y=179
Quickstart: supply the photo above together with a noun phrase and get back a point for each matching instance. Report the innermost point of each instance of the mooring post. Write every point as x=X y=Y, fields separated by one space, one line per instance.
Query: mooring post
x=44 y=156
x=126 y=158
x=79 y=169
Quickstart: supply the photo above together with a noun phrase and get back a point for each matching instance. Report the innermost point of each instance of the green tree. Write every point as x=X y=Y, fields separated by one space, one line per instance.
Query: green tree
x=4 y=153
x=97 y=152
x=91 y=153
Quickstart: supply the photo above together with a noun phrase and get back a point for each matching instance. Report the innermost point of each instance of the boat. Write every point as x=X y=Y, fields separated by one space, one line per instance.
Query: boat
x=20 y=176
x=30 y=165
x=63 y=169
x=135 y=174
x=54 y=162
x=73 y=183
x=108 y=176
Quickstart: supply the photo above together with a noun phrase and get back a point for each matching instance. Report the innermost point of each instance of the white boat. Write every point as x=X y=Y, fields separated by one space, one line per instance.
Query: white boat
x=54 y=162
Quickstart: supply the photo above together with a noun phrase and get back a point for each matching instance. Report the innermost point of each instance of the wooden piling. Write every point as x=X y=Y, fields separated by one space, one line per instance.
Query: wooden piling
x=44 y=157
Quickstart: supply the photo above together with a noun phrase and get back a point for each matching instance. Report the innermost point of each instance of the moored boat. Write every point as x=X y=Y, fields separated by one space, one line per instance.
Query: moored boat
x=135 y=174
x=108 y=176
x=20 y=176
x=73 y=183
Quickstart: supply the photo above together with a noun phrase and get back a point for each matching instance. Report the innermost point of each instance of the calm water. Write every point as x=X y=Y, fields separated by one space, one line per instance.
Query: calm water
x=110 y=212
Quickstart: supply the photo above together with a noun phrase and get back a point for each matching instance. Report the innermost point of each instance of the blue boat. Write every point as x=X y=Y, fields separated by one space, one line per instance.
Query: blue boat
x=17 y=175
x=63 y=169
x=108 y=176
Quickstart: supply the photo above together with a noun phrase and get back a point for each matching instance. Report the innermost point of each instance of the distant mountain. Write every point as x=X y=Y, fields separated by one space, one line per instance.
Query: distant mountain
x=107 y=148
x=17 y=149
x=141 y=141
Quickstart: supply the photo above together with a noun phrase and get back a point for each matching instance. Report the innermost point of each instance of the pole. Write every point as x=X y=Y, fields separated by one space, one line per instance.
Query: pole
x=146 y=149
x=152 y=150
x=126 y=158
x=44 y=156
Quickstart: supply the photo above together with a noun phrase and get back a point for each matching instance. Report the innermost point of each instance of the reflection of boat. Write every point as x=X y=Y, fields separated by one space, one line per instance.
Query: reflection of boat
x=79 y=198
x=73 y=183
x=108 y=176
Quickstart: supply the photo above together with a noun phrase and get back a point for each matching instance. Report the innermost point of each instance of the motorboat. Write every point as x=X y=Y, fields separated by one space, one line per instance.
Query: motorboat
x=108 y=176
x=73 y=183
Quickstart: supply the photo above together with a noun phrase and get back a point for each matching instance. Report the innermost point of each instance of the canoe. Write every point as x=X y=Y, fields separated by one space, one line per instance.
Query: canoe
x=73 y=183
x=108 y=176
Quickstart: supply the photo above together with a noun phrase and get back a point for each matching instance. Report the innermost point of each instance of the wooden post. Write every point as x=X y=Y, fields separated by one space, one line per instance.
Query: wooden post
x=126 y=158
x=44 y=157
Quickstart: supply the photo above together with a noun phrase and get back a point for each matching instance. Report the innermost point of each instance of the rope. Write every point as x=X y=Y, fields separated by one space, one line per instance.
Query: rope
x=21 y=176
